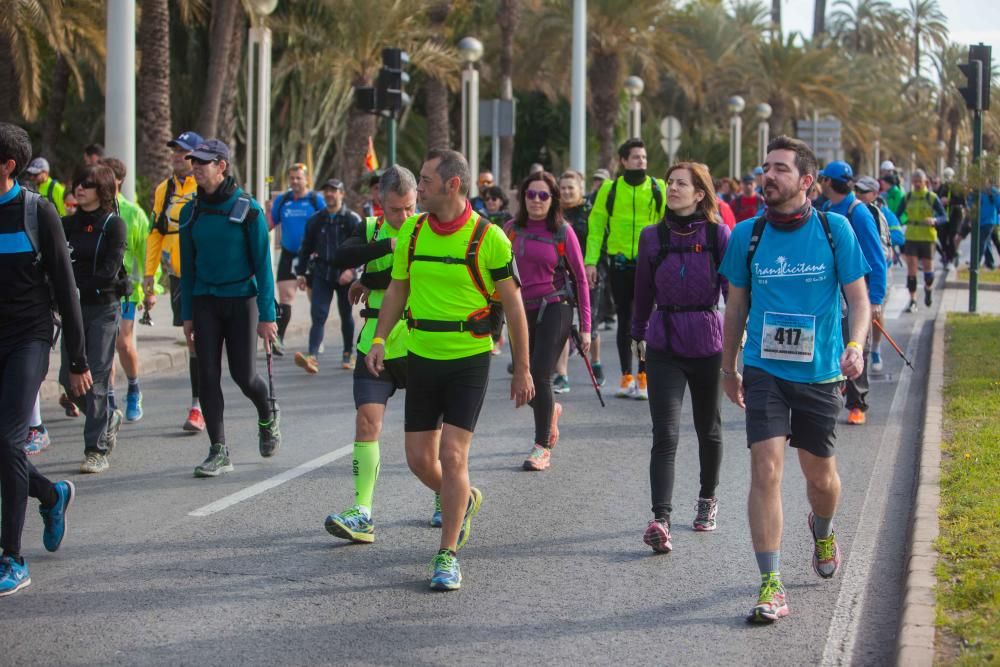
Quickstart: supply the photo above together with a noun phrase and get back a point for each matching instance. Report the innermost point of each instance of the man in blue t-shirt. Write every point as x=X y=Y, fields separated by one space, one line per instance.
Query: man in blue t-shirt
x=836 y=179
x=289 y=213
x=797 y=262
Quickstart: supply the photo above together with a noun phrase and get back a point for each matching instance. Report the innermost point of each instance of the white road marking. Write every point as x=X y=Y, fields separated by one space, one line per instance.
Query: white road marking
x=898 y=298
x=268 y=484
x=843 y=632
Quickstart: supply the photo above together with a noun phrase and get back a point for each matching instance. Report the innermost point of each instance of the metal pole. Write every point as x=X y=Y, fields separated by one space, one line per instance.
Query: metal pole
x=393 y=131
x=263 y=114
x=495 y=140
x=878 y=156
x=119 y=103
x=977 y=151
x=635 y=118
x=763 y=139
x=470 y=123
x=578 y=107
x=735 y=149
x=248 y=172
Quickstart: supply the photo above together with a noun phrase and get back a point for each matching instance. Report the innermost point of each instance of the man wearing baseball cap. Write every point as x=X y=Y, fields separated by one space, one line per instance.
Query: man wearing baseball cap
x=835 y=180
x=163 y=249
x=48 y=187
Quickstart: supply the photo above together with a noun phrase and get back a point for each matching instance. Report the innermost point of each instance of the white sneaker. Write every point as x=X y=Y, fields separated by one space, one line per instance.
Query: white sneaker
x=876 y=362
x=626 y=388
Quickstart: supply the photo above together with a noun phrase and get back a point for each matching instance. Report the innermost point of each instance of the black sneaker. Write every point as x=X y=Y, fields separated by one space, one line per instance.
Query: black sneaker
x=114 y=424
x=911 y=308
x=598 y=375
x=927 y=297
x=217 y=462
x=269 y=437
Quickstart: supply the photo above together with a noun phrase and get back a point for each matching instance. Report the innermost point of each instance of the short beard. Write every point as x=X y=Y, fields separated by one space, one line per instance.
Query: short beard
x=778 y=198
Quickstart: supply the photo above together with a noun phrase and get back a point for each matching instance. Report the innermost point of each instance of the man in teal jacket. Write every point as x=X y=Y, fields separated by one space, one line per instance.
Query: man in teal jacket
x=227 y=292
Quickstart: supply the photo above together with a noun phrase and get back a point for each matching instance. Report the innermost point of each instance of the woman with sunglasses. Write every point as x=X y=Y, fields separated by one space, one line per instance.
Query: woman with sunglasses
x=97 y=237
x=227 y=294
x=676 y=316
x=553 y=281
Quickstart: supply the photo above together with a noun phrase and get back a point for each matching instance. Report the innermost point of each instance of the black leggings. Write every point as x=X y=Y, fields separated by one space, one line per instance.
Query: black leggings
x=668 y=377
x=232 y=320
x=546 y=340
x=22 y=369
x=623 y=289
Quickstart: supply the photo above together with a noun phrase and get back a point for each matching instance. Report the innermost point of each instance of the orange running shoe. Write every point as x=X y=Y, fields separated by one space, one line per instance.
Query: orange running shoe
x=856 y=416
x=626 y=388
x=641 y=393
x=307 y=362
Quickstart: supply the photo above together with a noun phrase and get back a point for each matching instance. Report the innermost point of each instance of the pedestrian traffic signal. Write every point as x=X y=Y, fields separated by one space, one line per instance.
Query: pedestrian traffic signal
x=972 y=93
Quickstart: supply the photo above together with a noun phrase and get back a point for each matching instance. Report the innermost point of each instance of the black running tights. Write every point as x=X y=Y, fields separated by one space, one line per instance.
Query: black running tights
x=22 y=368
x=233 y=321
x=546 y=340
x=623 y=289
x=668 y=377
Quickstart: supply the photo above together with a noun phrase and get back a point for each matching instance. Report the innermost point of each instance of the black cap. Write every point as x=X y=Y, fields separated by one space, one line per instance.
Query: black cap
x=213 y=149
x=334 y=184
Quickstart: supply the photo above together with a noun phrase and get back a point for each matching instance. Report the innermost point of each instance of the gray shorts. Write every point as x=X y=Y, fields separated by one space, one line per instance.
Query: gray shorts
x=804 y=413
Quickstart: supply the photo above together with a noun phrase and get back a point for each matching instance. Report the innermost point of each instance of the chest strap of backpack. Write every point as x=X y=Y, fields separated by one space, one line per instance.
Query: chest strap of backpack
x=478 y=322
x=232 y=215
x=710 y=247
x=558 y=241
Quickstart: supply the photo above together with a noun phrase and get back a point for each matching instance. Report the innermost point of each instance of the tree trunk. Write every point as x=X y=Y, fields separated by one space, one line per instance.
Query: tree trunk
x=437 y=105
x=776 y=16
x=438 y=124
x=227 y=109
x=9 y=112
x=352 y=150
x=221 y=36
x=508 y=16
x=819 y=19
x=605 y=75
x=52 y=130
x=153 y=92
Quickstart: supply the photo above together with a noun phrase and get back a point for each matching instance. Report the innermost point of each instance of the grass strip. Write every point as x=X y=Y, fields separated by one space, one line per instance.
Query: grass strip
x=985 y=275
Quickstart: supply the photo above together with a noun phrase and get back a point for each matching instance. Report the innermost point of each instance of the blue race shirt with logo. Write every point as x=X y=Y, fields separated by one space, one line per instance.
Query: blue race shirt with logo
x=794 y=275
x=292 y=215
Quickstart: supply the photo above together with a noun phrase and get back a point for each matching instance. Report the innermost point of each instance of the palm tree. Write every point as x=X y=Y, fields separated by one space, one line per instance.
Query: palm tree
x=508 y=16
x=930 y=27
x=153 y=122
x=224 y=13
x=436 y=98
x=866 y=26
x=819 y=19
x=951 y=105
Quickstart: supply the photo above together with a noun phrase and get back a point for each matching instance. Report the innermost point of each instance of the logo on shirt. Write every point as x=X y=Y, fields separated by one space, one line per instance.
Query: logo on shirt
x=788 y=269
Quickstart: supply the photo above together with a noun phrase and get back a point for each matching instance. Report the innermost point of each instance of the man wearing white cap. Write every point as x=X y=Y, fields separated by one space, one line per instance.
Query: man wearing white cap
x=48 y=187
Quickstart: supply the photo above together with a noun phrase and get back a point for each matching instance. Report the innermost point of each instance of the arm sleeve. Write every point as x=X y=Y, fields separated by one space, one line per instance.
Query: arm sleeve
x=276 y=210
x=308 y=243
x=261 y=259
x=734 y=261
x=112 y=255
x=850 y=260
x=59 y=267
x=154 y=242
x=597 y=224
x=188 y=271
x=644 y=286
x=940 y=215
x=356 y=250
x=865 y=228
x=574 y=257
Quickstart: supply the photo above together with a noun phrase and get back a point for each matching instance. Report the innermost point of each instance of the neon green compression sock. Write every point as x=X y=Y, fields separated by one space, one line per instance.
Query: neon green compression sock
x=365 y=467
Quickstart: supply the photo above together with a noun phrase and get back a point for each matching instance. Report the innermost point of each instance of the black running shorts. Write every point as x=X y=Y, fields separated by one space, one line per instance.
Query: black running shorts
x=449 y=391
x=288 y=266
x=379 y=388
x=804 y=413
x=919 y=249
x=175 y=300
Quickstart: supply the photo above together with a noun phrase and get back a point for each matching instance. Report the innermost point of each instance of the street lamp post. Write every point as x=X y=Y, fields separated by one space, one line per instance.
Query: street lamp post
x=942 y=148
x=578 y=109
x=259 y=98
x=736 y=105
x=877 y=149
x=634 y=87
x=119 y=102
x=964 y=162
x=763 y=131
x=471 y=50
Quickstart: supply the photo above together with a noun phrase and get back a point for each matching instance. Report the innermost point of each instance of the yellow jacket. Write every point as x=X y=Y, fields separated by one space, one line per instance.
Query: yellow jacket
x=163 y=245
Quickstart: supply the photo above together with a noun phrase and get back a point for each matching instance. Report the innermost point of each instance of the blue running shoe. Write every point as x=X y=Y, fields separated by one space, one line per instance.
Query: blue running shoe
x=352 y=524
x=447 y=574
x=13 y=576
x=876 y=361
x=133 y=406
x=54 y=518
x=436 y=517
x=471 y=510
x=38 y=440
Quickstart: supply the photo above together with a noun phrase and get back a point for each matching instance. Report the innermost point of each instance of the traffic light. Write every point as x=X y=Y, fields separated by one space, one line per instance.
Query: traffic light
x=391 y=79
x=982 y=53
x=972 y=93
x=365 y=99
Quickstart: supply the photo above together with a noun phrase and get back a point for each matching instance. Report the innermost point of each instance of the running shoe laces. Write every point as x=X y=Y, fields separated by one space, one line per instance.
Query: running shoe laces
x=825 y=547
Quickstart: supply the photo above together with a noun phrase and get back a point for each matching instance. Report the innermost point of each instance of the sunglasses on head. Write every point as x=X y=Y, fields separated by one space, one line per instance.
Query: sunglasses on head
x=197 y=160
x=540 y=195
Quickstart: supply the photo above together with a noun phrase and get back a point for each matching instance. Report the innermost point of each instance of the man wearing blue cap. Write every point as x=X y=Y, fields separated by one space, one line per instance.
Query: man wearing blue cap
x=163 y=249
x=835 y=180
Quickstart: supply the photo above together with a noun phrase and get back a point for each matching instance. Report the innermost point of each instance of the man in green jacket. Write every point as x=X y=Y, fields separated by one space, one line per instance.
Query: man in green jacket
x=47 y=186
x=622 y=208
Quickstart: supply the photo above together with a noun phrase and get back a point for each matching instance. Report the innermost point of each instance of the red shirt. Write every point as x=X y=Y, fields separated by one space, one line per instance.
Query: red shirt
x=745 y=207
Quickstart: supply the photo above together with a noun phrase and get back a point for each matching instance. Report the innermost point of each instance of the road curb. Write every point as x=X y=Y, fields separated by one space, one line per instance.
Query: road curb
x=915 y=643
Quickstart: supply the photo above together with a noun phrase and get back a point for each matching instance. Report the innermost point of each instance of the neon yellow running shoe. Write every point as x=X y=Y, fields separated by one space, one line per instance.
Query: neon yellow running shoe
x=475 y=502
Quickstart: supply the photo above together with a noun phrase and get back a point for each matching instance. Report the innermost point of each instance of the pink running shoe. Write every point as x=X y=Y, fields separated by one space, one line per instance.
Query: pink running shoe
x=539 y=459
x=657 y=536
x=705 y=512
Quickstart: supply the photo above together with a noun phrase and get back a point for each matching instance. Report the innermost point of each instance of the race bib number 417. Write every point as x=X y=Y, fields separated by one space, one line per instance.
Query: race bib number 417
x=788 y=337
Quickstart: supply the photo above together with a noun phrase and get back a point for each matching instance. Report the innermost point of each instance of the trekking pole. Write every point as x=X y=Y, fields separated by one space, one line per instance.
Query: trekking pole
x=893 y=343
x=578 y=342
x=270 y=381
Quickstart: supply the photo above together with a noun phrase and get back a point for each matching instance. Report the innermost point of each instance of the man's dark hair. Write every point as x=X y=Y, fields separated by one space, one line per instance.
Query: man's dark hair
x=452 y=165
x=496 y=192
x=840 y=187
x=115 y=165
x=102 y=176
x=15 y=144
x=94 y=149
x=626 y=149
x=805 y=159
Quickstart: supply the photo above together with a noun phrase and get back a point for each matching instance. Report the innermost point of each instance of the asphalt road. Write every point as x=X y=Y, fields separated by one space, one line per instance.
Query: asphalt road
x=555 y=570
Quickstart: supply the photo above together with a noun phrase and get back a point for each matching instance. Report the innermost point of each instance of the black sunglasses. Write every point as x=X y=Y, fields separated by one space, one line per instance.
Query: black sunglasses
x=540 y=195
x=197 y=160
x=87 y=185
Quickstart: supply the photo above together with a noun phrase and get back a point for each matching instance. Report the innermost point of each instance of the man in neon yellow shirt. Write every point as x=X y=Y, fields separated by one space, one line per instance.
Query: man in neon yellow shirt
x=373 y=245
x=923 y=212
x=448 y=265
x=623 y=207
x=47 y=186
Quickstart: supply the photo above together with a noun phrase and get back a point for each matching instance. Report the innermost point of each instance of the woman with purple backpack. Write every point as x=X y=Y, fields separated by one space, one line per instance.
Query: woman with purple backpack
x=677 y=320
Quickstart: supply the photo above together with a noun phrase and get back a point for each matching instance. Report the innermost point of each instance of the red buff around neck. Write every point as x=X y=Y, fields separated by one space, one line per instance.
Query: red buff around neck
x=450 y=226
